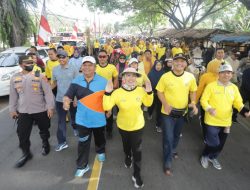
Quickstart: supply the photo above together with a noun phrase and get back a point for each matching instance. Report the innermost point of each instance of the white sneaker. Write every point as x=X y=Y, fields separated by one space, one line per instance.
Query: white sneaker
x=216 y=163
x=81 y=172
x=61 y=147
x=204 y=162
x=158 y=129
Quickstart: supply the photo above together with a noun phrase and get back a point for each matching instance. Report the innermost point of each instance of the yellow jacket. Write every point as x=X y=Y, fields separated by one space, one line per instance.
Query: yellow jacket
x=204 y=81
x=130 y=116
x=222 y=99
x=213 y=66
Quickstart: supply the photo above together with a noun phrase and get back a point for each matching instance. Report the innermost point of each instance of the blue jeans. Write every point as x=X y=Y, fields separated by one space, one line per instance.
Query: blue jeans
x=171 y=134
x=61 y=130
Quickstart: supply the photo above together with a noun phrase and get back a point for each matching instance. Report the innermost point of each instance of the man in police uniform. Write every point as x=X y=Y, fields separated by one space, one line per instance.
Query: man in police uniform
x=31 y=99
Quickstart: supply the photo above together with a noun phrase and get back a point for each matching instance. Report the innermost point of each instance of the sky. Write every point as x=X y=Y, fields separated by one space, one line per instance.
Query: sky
x=68 y=9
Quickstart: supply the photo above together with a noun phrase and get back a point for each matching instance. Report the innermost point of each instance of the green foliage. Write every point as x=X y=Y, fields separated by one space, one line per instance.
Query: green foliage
x=238 y=22
x=145 y=21
x=15 y=23
x=181 y=13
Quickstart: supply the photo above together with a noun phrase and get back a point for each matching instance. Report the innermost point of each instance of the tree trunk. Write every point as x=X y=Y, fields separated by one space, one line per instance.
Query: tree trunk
x=35 y=41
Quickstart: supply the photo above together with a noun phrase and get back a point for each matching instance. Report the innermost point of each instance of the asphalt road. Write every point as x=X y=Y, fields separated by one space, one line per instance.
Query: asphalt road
x=56 y=171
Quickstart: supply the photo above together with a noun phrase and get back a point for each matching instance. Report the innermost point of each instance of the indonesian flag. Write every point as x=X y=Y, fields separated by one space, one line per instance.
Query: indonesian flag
x=75 y=30
x=44 y=29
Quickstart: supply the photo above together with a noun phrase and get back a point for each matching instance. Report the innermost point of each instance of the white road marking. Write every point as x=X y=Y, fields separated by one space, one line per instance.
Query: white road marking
x=4 y=109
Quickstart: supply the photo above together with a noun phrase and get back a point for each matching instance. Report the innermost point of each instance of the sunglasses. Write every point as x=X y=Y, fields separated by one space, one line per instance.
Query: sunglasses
x=122 y=58
x=102 y=56
x=61 y=57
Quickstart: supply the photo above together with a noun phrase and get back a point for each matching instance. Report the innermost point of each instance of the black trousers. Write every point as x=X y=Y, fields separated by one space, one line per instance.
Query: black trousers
x=24 y=128
x=109 y=125
x=157 y=106
x=202 y=122
x=132 y=146
x=85 y=141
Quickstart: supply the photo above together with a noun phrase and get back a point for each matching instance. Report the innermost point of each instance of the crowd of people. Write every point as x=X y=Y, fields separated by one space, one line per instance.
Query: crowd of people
x=121 y=81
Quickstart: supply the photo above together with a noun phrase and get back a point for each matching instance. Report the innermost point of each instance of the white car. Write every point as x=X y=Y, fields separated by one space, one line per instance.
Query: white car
x=9 y=65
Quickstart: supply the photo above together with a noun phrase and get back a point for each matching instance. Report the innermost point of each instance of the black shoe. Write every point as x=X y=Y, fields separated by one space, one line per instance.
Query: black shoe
x=23 y=160
x=109 y=135
x=45 y=149
x=138 y=183
x=235 y=120
x=128 y=162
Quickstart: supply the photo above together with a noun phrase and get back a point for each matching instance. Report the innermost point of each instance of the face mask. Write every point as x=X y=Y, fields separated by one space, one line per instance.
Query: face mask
x=28 y=68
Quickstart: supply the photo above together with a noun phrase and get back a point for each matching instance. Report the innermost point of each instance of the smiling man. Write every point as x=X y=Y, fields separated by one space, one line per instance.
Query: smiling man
x=62 y=76
x=218 y=99
x=89 y=89
x=174 y=89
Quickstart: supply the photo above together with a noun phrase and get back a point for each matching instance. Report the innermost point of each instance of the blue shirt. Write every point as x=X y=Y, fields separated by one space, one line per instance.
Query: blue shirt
x=63 y=77
x=89 y=96
x=76 y=62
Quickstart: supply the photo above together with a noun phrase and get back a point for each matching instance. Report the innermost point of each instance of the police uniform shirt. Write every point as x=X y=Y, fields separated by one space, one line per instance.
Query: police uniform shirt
x=30 y=94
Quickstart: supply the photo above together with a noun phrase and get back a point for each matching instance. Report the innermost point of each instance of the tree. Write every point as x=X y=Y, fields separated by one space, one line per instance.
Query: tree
x=15 y=23
x=239 y=22
x=145 y=21
x=246 y=3
x=181 y=13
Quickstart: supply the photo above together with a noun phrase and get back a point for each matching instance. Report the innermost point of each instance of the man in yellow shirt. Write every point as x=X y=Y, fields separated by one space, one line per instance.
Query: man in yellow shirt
x=160 y=51
x=205 y=79
x=215 y=63
x=96 y=47
x=109 y=72
x=50 y=64
x=173 y=90
x=218 y=99
x=176 y=49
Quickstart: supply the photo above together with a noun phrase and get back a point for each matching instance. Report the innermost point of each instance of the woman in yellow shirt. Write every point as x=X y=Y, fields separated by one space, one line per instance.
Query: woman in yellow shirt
x=130 y=120
x=134 y=63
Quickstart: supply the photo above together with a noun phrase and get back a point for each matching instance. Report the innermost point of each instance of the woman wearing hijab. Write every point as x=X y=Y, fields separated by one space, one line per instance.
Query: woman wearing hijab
x=154 y=76
x=76 y=59
x=121 y=66
x=130 y=120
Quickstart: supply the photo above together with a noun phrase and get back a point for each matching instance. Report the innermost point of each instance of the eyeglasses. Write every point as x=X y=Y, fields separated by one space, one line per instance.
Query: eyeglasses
x=102 y=56
x=122 y=58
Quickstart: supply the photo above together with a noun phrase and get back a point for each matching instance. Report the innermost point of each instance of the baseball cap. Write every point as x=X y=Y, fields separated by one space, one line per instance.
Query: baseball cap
x=132 y=60
x=180 y=56
x=225 y=67
x=25 y=59
x=131 y=70
x=89 y=59
x=62 y=53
